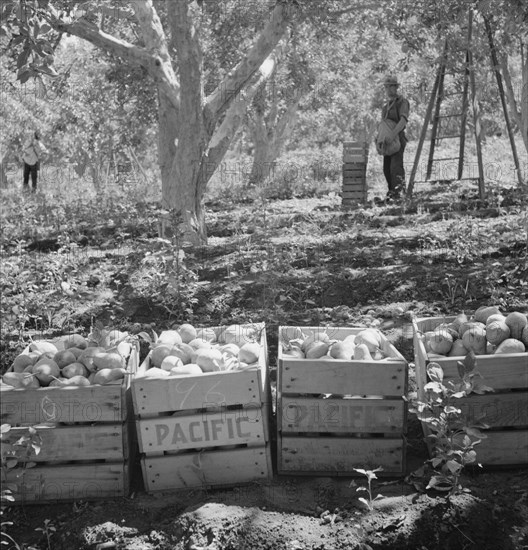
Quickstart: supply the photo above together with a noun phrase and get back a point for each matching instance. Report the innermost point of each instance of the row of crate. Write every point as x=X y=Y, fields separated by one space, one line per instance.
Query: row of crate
x=215 y=429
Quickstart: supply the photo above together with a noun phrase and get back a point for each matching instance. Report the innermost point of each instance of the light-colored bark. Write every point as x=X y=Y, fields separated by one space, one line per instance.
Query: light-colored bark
x=269 y=138
x=524 y=93
x=194 y=132
x=510 y=95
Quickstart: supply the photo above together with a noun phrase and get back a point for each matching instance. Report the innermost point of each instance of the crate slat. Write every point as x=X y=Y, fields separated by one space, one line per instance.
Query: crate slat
x=304 y=414
x=207 y=469
x=503 y=448
x=65 y=443
x=70 y=482
x=339 y=455
x=63 y=404
x=152 y=396
x=244 y=426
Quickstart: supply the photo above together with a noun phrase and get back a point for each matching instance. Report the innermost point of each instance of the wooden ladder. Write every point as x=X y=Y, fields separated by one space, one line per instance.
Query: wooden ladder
x=440 y=130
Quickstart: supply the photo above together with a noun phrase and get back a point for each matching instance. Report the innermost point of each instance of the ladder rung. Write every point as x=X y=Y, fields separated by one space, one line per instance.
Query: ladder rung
x=449 y=116
x=446 y=158
x=448 y=137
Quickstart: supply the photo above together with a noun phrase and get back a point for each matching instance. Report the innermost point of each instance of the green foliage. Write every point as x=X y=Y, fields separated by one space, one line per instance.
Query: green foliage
x=453 y=439
x=370 y=475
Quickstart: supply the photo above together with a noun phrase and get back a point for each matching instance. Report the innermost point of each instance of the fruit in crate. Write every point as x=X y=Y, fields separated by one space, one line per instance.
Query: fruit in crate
x=487 y=332
x=365 y=345
x=198 y=350
x=74 y=364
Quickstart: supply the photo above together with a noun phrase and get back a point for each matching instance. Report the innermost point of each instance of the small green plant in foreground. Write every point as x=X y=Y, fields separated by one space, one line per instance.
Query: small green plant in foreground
x=48 y=530
x=370 y=475
x=452 y=437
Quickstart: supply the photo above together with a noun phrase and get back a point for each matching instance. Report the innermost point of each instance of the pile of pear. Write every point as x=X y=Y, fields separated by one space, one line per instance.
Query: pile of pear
x=366 y=345
x=81 y=362
x=190 y=351
x=487 y=332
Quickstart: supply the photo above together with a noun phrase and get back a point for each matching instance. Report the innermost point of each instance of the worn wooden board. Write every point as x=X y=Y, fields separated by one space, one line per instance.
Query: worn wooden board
x=66 y=443
x=67 y=482
x=207 y=469
x=504 y=448
x=356 y=157
x=360 y=195
x=338 y=456
x=63 y=404
x=203 y=430
x=343 y=377
x=304 y=414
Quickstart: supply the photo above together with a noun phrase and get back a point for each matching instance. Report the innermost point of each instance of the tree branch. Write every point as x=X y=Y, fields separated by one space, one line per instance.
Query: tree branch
x=221 y=98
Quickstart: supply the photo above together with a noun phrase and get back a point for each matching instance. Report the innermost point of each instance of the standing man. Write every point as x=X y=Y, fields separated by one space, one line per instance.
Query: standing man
x=31 y=155
x=397 y=110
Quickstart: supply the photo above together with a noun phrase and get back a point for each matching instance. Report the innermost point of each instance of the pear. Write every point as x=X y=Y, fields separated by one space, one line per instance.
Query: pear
x=187 y=332
x=77 y=381
x=20 y=380
x=342 y=350
x=362 y=353
x=46 y=370
x=170 y=362
x=104 y=376
x=249 y=353
x=43 y=347
x=209 y=360
x=184 y=351
x=108 y=360
x=21 y=362
x=159 y=353
x=169 y=337
x=75 y=341
x=74 y=369
x=64 y=357
x=191 y=369
x=87 y=356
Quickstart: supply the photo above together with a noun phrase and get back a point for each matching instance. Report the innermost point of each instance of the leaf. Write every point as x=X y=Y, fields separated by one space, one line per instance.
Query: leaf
x=470 y=360
x=4 y=428
x=453 y=467
x=365 y=501
x=435 y=372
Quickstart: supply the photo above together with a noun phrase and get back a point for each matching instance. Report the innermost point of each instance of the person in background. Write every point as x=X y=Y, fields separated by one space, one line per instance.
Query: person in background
x=396 y=109
x=31 y=155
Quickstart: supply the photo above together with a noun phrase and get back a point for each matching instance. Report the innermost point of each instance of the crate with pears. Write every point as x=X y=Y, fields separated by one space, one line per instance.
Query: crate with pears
x=64 y=409
x=499 y=341
x=340 y=401
x=202 y=402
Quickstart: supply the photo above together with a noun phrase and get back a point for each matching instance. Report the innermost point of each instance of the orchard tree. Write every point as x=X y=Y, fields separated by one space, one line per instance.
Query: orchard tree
x=195 y=129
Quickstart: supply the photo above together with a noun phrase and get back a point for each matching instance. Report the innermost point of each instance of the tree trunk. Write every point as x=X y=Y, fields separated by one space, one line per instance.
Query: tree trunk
x=522 y=122
x=524 y=94
x=269 y=138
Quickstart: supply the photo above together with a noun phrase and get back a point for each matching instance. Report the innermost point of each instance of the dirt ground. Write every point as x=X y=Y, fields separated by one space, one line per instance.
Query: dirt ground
x=316 y=513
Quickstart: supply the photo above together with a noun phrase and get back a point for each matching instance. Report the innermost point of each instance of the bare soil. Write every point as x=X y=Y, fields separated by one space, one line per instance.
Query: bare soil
x=382 y=262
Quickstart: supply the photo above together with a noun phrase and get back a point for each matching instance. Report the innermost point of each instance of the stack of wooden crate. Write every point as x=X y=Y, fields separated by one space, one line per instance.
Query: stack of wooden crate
x=206 y=430
x=83 y=437
x=355 y=157
x=334 y=415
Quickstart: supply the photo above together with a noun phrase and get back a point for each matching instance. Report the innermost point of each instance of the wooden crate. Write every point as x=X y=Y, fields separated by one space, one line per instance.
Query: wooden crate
x=85 y=451
x=505 y=410
x=354 y=172
x=355 y=151
x=335 y=415
x=204 y=431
